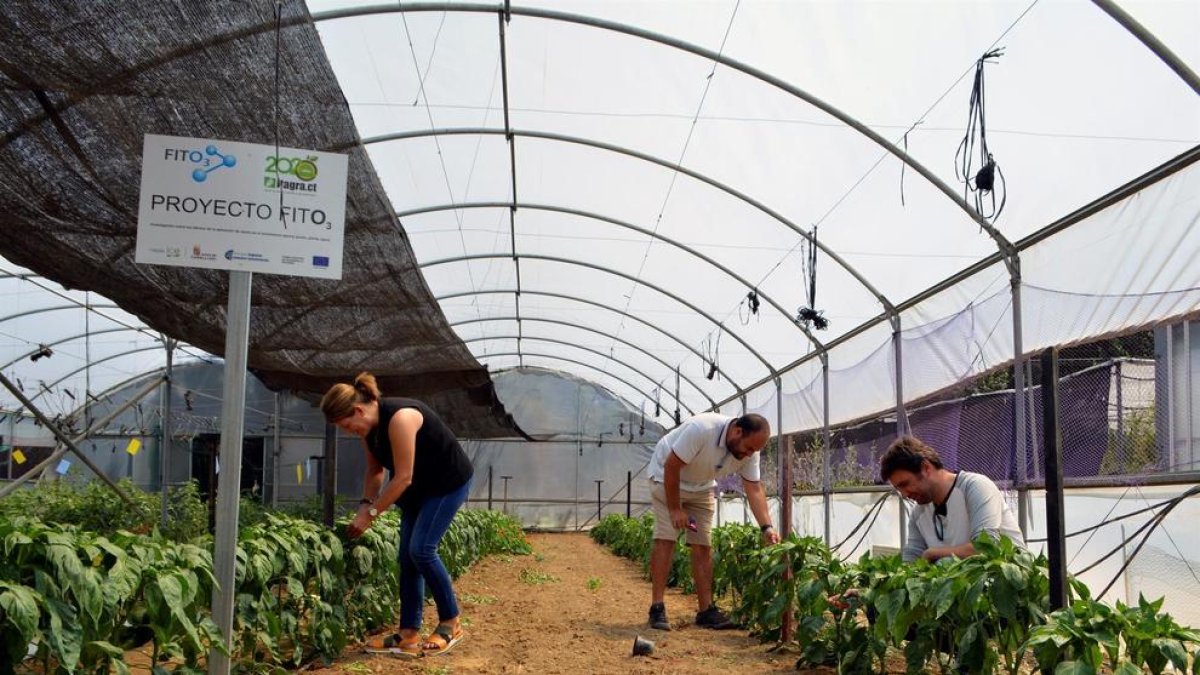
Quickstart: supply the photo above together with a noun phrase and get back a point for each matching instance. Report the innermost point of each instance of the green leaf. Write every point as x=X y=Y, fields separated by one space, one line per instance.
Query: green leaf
x=1173 y=650
x=1127 y=668
x=1074 y=668
x=21 y=606
x=66 y=635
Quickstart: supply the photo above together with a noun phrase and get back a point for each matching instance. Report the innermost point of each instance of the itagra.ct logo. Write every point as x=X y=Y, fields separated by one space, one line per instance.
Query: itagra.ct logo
x=280 y=170
x=210 y=161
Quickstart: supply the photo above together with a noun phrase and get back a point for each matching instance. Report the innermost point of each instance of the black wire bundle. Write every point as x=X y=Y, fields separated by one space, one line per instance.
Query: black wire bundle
x=988 y=180
x=810 y=315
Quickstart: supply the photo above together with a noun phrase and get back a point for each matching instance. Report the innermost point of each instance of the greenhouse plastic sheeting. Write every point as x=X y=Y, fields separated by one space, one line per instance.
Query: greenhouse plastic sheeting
x=83 y=82
x=656 y=160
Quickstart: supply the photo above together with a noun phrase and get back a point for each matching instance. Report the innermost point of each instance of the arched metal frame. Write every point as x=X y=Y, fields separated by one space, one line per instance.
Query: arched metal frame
x=643 y=282
x=563 y=296
x=682 y=45
x=582 y=348
x=629 y=226
x=585 y=365
x=75 y=372
x=673 y=166
x=597 y=352
x=56 y=308
x=569 y=324
x=66 y=339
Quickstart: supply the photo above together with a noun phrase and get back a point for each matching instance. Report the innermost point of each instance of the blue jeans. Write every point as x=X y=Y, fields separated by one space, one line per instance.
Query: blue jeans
x=421 y=529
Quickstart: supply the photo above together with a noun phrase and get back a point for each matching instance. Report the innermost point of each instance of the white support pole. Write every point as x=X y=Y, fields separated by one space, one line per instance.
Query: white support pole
x=898 y=352
x=1019 y=424
x=233 y=413
x=826 y=479
x=276 y=455
x=164 y=451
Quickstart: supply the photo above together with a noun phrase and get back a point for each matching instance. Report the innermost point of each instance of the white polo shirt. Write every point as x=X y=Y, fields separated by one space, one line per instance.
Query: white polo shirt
x=700 y=443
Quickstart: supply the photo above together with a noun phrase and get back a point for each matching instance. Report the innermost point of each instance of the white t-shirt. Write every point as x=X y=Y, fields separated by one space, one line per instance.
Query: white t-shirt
x=700 y=443
x=974 y=505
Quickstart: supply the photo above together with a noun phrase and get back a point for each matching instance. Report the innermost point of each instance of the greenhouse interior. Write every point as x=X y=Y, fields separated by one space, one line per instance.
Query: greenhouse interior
x=571 y=228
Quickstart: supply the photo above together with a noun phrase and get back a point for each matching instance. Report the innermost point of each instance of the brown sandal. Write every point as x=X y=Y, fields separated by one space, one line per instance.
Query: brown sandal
x=442 y=639
x=395 y=645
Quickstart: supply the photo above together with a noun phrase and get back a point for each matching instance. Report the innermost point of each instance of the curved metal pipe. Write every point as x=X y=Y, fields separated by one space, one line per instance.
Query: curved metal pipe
x=682 y=45
x=599 y=370
x=1151 y=41
x=66 y=339
x=568 y=261
x=673 y=166
x=589 y=349
x=506 y=291
x=85 y=366
x=56 y=308
x=629 y=226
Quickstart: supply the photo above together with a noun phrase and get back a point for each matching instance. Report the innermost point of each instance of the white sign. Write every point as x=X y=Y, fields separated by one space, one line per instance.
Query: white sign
x=241 y=206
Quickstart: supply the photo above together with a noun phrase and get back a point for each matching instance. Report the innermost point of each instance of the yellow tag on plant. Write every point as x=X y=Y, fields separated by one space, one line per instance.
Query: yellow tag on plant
x=299 y=475
x=18 y=456
x=134 y=446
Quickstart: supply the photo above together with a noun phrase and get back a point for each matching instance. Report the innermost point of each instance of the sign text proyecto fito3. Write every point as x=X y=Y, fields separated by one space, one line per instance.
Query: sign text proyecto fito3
x=241 y=206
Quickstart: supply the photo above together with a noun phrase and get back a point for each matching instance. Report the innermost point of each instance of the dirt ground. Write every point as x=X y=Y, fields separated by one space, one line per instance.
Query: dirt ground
x=571 y=607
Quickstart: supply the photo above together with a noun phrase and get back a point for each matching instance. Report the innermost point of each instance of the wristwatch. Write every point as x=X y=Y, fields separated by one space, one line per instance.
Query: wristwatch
x=373 y=512
x=766 y=527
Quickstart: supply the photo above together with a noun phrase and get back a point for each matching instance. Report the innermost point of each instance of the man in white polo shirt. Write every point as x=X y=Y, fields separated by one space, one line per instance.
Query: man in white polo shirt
x=684 y=470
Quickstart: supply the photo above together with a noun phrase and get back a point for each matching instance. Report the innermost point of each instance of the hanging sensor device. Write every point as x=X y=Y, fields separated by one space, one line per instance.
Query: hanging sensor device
x=985 y=185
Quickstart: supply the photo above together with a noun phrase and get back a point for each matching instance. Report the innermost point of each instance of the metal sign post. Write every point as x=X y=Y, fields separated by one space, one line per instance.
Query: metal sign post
x=218 y=204
x=233 y=414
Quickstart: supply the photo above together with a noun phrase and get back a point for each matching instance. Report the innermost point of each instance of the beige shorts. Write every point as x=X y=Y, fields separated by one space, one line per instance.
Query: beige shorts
x=700 y=506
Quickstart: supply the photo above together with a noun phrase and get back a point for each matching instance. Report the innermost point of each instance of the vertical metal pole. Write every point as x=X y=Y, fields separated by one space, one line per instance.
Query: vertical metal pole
x=505 y=479
x=165 y=446
x=1170 y=398
x=1121 y=450
x=329 y=476
x=1055 y=530
x=826 y=479
x=276 y=454
x=784 y=453
x=233 y=413
x=898 y=351
x=490 y=477
x=902 y=509
x=1019 y=424
x=1189 y=464
x=628 y=494
x=599 y=502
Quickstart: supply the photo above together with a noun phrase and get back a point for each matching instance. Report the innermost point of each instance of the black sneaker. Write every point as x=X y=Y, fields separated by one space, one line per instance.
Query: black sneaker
x=713 y=618
x=658 y=617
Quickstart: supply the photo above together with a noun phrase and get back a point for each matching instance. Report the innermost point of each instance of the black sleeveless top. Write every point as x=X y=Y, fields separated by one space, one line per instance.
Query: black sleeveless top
x=439 y=467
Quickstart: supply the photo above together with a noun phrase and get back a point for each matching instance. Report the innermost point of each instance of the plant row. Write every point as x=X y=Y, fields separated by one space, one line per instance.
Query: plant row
x=984 y=613
x=81 y=600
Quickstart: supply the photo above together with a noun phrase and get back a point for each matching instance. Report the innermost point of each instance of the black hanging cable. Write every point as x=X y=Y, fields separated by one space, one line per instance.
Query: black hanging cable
x=1152 y=524
x=809 y=315
x=1149 y=524
x=877 y=506
x=750 y=304
x=711 y=347
x=988 y=179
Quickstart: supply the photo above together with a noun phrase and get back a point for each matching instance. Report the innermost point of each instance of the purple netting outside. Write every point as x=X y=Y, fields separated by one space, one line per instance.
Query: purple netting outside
x=975 y=432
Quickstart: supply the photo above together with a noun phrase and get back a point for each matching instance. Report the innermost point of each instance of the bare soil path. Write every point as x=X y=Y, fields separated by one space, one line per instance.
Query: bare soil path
x=571 y=608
